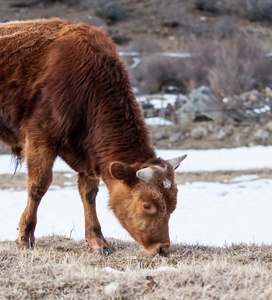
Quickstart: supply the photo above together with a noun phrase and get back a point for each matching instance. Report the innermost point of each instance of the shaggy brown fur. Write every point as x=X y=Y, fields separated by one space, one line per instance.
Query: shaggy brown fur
x=64 y=92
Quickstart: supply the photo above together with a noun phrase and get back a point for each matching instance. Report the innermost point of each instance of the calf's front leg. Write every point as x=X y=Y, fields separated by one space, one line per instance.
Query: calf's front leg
x=40 y=159
x=88 y=188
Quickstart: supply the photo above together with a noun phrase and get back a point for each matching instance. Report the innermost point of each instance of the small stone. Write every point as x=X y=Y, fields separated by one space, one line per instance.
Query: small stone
x=174 y=138
x=220 y=134
x=261 y=134
x=158 y=136
x=268 y=126
x=199 y=132
x=268 y=92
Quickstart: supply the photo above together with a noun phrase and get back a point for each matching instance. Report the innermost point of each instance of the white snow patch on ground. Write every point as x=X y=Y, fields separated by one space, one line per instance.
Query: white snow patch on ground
x=243 y=158
x=207 y=213
x=160 y=102
x=158 y=121
x=244 y=178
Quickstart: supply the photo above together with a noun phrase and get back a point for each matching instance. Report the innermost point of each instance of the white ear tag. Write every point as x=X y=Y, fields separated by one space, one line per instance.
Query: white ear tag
x=167 y=184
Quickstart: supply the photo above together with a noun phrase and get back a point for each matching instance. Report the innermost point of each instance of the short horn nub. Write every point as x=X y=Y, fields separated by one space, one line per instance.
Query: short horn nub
x=176 y=161
x=145 y=174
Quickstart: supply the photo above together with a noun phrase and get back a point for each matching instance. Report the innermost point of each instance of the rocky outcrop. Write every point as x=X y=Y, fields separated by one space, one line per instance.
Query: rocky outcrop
x=201 y=105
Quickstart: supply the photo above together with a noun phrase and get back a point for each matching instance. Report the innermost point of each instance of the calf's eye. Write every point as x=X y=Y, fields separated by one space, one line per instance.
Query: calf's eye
x=147 y=206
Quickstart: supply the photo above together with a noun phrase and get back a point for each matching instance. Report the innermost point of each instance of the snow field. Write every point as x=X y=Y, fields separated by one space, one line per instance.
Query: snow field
x=207 y=213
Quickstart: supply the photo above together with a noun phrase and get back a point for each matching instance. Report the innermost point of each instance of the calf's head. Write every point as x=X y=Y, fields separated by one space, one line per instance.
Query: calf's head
x=142 y=197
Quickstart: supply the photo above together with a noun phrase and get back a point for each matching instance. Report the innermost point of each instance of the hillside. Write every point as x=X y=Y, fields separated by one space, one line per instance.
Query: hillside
x=168 y=22
x=229 y=46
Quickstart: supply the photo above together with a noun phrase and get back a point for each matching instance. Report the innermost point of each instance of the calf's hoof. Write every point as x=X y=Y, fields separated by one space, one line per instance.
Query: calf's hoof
x=21 y=245
x=101 y=251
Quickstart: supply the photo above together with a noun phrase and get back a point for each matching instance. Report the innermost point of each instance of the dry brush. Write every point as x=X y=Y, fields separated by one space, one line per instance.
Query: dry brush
x=61 y=268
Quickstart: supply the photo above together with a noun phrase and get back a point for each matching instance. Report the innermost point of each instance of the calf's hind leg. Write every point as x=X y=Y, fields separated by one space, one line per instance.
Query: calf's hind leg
x=40 y=159
x=88 y=188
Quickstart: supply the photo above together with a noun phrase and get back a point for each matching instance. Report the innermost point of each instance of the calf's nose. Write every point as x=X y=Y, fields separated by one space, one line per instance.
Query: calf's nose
x=163 y=249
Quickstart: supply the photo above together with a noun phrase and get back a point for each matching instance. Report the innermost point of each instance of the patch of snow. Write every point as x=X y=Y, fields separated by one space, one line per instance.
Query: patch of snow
x=68 y=175
x=112 y=288
x=207 y=213
x=175 y=54
x=158 y=121
x=261 y=109
x=168 y=54
x=243 y=158
x=166 y=269
x=218 y=214
x=136 y=62
x=160 y=102
x=122 y=53
x=135 y=90
x=111 y=270
x=244 y=178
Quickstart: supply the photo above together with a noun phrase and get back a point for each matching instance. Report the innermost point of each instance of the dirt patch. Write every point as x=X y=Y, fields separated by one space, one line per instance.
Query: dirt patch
x=213 y=136
x=19 y=180
x=69 y=179
x=221 y=176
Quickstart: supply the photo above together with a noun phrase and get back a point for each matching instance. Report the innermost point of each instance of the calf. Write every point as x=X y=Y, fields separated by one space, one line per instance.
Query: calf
x=64 y=92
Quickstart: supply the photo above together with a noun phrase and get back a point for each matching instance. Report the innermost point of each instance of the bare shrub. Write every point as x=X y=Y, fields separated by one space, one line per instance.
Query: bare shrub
x=229 y=67
x=28 y=3
x=145 y=46
x=157 y=72
x=256 y=10
x=202 y=61
x=239 y=65
x=226 y=27
x=207 y=5
x=110 y=11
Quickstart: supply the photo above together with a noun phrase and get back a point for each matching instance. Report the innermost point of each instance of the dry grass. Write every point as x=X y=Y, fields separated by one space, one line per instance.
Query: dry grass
x=60 y=268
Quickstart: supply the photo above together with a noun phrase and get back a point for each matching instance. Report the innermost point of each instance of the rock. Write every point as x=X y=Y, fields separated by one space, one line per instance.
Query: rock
x=248 y=108
x=268 y=92
x=252 y=98
x=174 y=138
x=4 y=149
x=220 y=134
x=180 y=101
x=200 y=104
x=261 y=134
x=158 y=135
x=268 y=126
x=199 y=132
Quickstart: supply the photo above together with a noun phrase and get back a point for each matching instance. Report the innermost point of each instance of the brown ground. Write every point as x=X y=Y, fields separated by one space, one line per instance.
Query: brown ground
x=235 y=136
x=60 y=268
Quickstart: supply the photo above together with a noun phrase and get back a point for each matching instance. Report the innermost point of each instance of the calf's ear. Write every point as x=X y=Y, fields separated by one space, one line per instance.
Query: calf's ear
x=121 y=171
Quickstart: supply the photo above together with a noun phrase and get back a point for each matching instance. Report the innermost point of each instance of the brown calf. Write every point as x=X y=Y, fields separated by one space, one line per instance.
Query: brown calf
x=64 y=92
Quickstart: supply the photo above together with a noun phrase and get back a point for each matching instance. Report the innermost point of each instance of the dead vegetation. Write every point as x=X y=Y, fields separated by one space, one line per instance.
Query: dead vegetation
x=60 y=268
